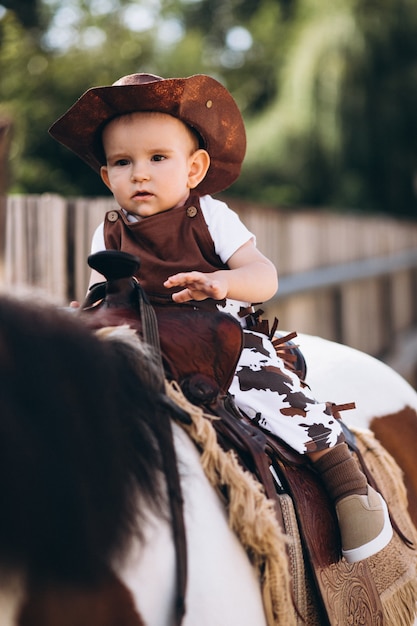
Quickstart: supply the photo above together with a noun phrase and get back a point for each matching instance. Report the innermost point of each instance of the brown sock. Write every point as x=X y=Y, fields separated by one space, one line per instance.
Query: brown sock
x=340 y=473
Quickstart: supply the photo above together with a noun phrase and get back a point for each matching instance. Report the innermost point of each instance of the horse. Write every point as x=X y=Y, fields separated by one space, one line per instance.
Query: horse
x=135 y=583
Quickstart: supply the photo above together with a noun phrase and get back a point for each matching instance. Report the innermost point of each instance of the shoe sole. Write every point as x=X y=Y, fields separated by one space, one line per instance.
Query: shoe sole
x=374 y=546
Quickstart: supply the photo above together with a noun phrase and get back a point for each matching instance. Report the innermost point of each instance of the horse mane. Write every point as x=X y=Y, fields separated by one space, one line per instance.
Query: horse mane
x=78 y=458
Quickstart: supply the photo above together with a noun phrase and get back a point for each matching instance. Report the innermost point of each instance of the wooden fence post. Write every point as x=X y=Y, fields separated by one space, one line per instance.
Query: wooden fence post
x=5 y=138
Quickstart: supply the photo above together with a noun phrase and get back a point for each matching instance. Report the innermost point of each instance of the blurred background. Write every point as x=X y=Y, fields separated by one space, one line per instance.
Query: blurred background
x=328 y=88
x=328 y=91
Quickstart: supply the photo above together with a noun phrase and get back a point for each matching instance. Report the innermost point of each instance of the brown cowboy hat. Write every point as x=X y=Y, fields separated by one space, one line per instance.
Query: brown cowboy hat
x=199 y=101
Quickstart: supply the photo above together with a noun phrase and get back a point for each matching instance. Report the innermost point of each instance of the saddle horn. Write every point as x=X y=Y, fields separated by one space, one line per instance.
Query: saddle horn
x=114 y=264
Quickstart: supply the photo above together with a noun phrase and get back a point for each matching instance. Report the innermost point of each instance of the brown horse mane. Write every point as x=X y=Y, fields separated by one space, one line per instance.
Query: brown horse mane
x=77 y=452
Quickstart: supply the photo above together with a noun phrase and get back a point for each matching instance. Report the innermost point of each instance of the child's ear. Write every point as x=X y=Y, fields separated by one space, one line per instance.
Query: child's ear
x=105 y=176
x=199 y=164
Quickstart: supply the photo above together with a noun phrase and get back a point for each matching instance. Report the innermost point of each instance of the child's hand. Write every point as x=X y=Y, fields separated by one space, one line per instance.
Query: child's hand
x=198 y=286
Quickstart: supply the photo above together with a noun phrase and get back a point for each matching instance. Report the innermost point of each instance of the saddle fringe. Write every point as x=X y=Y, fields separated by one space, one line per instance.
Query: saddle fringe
x=252 y=515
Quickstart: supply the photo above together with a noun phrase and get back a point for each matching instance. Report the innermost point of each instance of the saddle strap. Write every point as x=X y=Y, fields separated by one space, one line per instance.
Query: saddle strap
x=248 y=443
x=165 y=437
x=150 y=329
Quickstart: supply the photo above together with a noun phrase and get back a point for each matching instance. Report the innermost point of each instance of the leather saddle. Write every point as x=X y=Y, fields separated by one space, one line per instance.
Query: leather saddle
x=193 y=342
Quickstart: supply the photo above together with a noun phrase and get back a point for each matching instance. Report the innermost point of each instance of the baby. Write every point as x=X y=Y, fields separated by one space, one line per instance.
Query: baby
x=163 y=147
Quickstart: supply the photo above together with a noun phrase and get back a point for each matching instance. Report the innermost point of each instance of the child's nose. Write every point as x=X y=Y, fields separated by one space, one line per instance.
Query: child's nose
x=139 y=173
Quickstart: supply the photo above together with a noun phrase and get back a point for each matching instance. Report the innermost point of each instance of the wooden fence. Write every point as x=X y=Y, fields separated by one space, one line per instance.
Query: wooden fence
x=345 y=277
x=5 y=139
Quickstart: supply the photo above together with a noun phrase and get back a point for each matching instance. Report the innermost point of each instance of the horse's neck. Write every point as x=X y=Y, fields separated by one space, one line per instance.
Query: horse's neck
x=222 y=585
x=149 y=572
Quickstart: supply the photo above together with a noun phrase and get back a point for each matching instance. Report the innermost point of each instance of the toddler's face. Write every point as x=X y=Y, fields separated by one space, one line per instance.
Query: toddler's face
x=152 y=162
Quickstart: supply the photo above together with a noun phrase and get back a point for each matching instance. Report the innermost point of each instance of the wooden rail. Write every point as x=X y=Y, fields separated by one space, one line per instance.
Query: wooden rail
x=335 y=275
x=369 y=304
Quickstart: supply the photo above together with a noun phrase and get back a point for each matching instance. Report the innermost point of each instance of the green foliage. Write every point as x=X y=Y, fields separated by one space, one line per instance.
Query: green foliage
x=327 y=88
x=342 y=129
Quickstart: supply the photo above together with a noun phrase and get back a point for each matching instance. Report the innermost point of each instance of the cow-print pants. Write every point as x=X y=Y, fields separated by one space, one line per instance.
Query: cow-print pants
x=266 y=390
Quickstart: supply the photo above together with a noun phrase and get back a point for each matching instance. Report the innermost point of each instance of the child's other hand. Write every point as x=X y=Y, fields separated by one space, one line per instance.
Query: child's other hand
x=197 y=286
x=74 y=304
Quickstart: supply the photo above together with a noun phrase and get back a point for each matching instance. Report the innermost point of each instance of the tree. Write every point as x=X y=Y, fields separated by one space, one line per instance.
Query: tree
x=342 y=128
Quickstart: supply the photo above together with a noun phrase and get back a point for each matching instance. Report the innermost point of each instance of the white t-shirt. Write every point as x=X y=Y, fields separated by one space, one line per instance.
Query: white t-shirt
x=225 y=227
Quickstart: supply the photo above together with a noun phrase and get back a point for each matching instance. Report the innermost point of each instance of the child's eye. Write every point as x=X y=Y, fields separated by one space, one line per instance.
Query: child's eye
x=122 y=162
x=158 y=157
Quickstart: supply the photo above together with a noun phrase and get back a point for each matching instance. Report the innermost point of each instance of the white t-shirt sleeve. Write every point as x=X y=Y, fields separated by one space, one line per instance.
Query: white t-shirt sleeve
x=97 y=242
x=225 y=227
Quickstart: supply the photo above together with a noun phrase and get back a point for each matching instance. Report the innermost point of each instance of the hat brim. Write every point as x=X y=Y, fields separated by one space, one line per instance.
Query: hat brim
x=199 y=101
